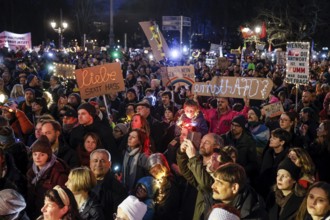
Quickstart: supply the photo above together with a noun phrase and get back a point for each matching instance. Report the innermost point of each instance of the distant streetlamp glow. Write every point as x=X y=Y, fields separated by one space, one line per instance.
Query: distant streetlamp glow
x=257 y=30
x=60 y=29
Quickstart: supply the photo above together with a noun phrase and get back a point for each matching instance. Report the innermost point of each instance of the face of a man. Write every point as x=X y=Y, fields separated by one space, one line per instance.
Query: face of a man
x=223 y=190
x=99 y=164
x=84 y=117
x=52 y=135
x=252 y=117
x=143 y=111
x=207 y=145
x=306 y=97
x=67 y=120
x=166 y=100
x=29 y=96
x=236 y=129
x=222 y=104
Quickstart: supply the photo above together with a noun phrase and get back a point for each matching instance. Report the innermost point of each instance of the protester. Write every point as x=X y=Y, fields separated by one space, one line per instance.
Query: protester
x=91 y=142
x=12 y=205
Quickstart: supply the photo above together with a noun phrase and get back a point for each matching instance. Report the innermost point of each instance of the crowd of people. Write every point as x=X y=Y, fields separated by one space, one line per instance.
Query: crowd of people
x=160 y=152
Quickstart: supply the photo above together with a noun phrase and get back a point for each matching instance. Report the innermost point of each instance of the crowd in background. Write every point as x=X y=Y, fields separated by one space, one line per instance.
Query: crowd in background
x=160 y=152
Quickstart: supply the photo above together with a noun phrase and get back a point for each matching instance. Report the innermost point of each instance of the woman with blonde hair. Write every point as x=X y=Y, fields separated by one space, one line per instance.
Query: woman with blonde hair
x=81 y=181
x=17 y=93
x=302 y=159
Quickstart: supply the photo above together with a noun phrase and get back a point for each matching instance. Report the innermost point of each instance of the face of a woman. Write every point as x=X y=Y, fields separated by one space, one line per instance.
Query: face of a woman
x=168 y=115
x=133 y=139
x=317 y=203
x=294 y=158
x=39 y=159
x=136 y=122
x=90 y=144
x=51 y=211
x=320 y=130
x=284 y=180
x=285 y=122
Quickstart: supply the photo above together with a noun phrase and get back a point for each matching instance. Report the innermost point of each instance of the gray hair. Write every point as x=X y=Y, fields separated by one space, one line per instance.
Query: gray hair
x=102 y=151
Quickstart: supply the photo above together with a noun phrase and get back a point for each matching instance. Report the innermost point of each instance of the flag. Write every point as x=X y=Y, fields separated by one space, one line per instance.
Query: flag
x=263 y=33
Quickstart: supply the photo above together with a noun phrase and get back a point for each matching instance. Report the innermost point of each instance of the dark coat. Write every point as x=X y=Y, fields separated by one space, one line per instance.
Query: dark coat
x=67 y=154
x=250 y=204
x=289 y=211
x=55 y=175
x=268 y=171
x=156 y=132
x=247 y=151
x=19 y=153
x=110 y=193
x=93 y=209
x=104 y=132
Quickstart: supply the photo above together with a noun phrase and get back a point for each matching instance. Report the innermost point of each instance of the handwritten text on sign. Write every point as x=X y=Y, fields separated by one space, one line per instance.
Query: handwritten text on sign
x=297 y=62
x=273 y=110
x=100 y=80
x=235 y=87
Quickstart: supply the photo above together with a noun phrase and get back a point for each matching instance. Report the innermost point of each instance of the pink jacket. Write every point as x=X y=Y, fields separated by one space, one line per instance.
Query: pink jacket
x=220 y=124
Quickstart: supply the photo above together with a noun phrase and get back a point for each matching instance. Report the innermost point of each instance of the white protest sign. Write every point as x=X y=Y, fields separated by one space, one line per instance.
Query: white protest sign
x=15 y=41
x=297 y=62
x=273 y=110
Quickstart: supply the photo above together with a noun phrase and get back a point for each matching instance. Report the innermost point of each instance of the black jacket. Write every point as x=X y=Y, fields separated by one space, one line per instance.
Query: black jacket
x=67 y=154
x=110 y=193
x=93 y=209
x=250 y=204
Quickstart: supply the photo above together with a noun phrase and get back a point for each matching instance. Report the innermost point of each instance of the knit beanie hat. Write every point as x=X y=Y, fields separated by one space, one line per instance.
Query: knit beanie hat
x=30 y=78
x=133 y=208
x=256 y=111
x=77 y=96
x=11 y=203
x=289 y=166
x=219 y=213
x=122 y=127
x=132 y=91
x=89 y=108
x=240 y=119
x=42 y=144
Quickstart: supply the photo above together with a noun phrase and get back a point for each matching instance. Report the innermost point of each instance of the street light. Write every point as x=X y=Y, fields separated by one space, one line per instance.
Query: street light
x=60 y=29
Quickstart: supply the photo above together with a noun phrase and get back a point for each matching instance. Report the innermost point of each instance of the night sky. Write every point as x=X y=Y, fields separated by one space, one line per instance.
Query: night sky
x=216 y=19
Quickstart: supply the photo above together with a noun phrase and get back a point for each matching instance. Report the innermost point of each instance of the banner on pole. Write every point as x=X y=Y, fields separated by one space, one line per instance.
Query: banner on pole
x=273 y=110
x=15 y=41
x=156 y=40
x=235 y=87
x=297 y=62
x=99 y=80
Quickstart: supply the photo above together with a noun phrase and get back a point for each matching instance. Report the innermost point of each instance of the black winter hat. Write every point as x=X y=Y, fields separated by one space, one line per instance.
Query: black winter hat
x=89 y=108
x=289 y=166
x=240 y=119
x=256 y=111
x=42 y=144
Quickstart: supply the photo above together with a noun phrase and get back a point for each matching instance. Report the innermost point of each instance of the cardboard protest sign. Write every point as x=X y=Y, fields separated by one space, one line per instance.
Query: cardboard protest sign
x=297 y=62
x=273 y=110
x=235 y=87
x=156 y=40
x=178 y=74
x=100 y=80
x=64 y=70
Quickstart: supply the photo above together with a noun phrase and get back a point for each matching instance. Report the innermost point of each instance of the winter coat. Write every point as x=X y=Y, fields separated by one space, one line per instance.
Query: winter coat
x=288 y=211
x=55 y=175
x=195 y=173
x=134 y=167
x=156 y=132
x=19 y=153
x=21 y=125
x=104 y=132
x=268 y=170
x=250 y=204
x=198 y=123
x=110 y=193
x=67 y=154
x=220 y=123
x=247 y=151
x=149 y=183
x=93 y=209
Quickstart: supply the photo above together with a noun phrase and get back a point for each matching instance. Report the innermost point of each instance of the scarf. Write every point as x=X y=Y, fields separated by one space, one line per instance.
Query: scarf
x=130 y=165
x=281 y=199
x=40 y=173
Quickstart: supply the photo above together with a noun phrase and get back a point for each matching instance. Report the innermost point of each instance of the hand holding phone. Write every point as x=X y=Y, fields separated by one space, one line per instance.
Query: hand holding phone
x=195 y=138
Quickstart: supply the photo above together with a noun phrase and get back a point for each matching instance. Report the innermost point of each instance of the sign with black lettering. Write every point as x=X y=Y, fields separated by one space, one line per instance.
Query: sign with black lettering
x=273 y=110
x=99 y=80
x=235 y=87
x=297 y=62
x=178 y=74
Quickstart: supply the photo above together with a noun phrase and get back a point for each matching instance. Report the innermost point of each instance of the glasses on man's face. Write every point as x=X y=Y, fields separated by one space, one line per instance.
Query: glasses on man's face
x=234 y=125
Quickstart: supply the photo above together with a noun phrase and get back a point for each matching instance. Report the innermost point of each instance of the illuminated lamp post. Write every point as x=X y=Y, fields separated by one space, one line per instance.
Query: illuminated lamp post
x=60 y=29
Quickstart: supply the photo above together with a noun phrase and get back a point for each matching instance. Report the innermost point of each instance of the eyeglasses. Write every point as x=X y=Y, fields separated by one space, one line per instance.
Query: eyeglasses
x=235 y=125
